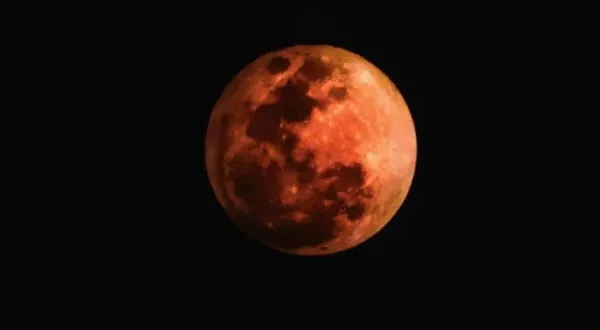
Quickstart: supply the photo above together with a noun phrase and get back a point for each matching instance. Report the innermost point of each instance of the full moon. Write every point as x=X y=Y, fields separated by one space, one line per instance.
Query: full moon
x=311 y=149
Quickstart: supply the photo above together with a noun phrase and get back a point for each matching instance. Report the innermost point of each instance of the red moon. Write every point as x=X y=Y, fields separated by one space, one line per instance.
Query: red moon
x=311 y=149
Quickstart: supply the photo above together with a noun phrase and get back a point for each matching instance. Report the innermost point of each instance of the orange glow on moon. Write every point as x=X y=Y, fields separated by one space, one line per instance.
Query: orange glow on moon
x=311 y=149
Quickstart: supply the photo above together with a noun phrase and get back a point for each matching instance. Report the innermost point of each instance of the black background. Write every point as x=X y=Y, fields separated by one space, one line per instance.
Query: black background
x=125 y=215
x=464 y=77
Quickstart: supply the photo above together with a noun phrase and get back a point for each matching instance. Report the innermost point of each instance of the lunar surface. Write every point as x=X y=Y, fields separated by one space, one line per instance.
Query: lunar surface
x=311 y=150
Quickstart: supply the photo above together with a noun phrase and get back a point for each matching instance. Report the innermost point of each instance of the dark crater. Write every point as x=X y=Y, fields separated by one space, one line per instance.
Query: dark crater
x=292 y=106
x=278 y=65
x=338 y=93
x=315 y=70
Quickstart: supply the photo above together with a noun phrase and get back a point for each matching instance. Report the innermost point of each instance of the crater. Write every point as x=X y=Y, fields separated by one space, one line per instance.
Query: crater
x=248 y=176
x=338 y=93
x=264 y=124
x=295 y=105
x=306 y=173
x=315 y=70
x=347 y=179
x=355 y=212
x=278 y=65
x=348 y=176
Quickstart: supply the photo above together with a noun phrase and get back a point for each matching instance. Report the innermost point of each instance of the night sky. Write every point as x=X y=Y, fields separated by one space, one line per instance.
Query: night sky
x=116 y=216
x=458 y=76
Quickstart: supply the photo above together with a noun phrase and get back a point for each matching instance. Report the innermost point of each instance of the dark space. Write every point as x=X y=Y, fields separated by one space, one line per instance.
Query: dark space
x=111 y=218
x=456 y=75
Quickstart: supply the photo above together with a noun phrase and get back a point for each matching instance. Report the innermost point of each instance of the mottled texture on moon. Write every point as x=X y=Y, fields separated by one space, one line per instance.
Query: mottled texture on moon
x=311 y=150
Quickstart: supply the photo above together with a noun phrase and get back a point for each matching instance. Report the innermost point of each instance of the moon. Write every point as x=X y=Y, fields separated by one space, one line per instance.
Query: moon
x=311 y=149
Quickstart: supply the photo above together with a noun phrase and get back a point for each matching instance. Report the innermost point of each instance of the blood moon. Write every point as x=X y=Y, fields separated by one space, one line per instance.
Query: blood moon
x=311 y=149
